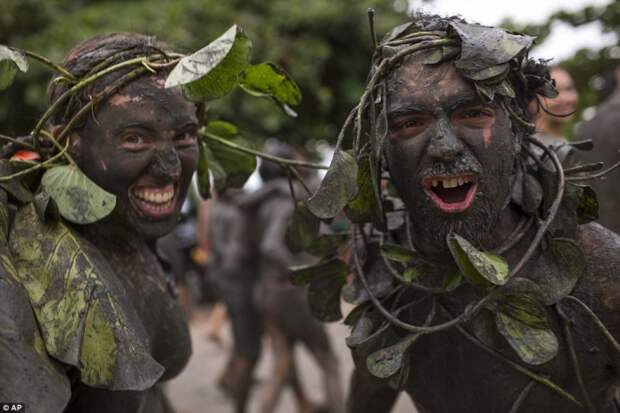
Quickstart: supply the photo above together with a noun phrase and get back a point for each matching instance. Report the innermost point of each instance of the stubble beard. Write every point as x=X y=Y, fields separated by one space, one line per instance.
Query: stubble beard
x=430 y=226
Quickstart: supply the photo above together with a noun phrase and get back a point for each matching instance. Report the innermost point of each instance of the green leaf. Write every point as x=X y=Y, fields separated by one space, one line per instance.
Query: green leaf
x=400 y=31
x=327 y=244
x=364 y=326
x=356 y=314
x=79 y=199
x=202 y=172
x=369 y=331
x=571 y=266
x=41 y=202
x=230 y=167
x=337 y=188
x=522 y=300
x=397 y=253
x=214 y=70
x=492 y=74
x=486 y=93
x=15 y=186
x=333 y=268
x=411 y=274
x=86 y=318
x=222 y=129
x=506 y=89
x=363 y=207
x=10 y=62
x=587 y=208
x=483 y=47
x=269 y=79
x=534 y=346
x=484 y=327
x=432 y=56
x=478 y=267
x=302 y=229
x=324 y=292
x=452 y=280
x=388 y=361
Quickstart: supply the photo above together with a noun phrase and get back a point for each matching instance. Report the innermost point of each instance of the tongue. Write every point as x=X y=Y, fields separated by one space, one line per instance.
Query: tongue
x=452 y=195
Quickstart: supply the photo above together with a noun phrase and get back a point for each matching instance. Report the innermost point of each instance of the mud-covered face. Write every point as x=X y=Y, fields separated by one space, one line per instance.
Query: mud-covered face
x=141 y=145
x=450 y=156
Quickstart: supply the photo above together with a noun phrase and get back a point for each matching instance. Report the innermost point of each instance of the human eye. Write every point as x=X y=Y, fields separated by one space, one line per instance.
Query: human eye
x=475 y=117
x=134 y=141
x=408 y=126
x=187 y=138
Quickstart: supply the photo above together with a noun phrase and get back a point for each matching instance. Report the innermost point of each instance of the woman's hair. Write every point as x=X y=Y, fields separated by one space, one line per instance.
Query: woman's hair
x=93 y=55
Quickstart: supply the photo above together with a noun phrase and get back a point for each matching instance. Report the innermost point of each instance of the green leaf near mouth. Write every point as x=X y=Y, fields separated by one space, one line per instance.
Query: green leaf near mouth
x=79 y=199
x=479 y=268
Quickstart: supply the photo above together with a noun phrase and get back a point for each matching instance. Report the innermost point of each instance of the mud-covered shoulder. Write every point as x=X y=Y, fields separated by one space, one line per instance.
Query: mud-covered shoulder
x=600 y=286
x=601 y=247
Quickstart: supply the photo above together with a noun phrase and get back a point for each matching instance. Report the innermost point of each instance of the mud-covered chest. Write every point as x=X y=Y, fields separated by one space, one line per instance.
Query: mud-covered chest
x=156 y=305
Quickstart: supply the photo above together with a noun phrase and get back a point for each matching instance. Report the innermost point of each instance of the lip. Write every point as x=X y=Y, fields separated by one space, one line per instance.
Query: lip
x=154 y=202
x=451 y=207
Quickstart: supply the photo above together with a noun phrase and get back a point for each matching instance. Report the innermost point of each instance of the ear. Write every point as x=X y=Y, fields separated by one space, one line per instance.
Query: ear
x=74 y=141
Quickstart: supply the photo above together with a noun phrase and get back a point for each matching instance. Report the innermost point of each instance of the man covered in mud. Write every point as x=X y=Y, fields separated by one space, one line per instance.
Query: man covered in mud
x=485 y=289
x=283 y=307
x=106 y=328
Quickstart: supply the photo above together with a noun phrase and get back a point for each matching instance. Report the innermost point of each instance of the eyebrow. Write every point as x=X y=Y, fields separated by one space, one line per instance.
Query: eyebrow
x=135 y=125
x=466 y=99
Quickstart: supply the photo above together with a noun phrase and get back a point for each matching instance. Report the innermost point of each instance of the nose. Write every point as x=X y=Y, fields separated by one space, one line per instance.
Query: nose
x=166 y=165
x=444 y=144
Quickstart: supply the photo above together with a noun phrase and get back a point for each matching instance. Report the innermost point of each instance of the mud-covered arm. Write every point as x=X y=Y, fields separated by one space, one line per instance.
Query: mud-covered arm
x=276 y=213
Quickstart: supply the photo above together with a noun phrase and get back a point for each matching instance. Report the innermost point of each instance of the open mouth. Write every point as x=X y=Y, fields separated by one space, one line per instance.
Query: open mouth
x=451 y=193
x=154 y=202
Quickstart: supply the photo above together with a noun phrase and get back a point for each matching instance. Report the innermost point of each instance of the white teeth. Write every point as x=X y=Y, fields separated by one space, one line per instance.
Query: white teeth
x=451 y=182
x=155 y=196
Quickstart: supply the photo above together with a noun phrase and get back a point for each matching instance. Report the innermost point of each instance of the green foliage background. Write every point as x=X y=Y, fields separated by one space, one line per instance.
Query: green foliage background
x=323 y=44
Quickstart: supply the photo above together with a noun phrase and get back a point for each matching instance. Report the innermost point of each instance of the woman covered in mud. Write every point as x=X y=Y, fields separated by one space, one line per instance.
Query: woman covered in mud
x=88 y=322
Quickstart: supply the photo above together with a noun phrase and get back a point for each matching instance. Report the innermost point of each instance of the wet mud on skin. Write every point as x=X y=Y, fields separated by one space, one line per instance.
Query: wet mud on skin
x=444 y=139
x=153 y=145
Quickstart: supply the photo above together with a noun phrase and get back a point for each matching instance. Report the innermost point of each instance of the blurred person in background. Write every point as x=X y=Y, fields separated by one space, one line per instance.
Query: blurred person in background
x=233 y=264
x=555 y=114
x=284 y=307
x=604 y=130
